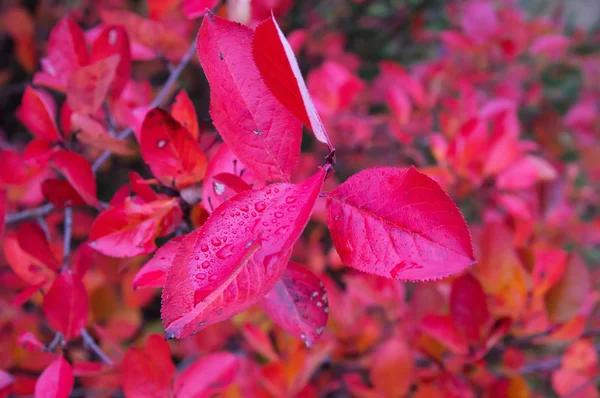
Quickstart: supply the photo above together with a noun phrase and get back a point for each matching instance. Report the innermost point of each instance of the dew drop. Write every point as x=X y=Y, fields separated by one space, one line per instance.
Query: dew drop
x=197 y=258
x=265 y=223
x=201 y=277
x=276 y=190
x=260 y=206
x=257 y=132
x=112 y=37
x=225 y=252
x=293 y=208
x=205 y=264
x=290 y=199
x=278 y=214
x=282 y=230
x=244 y=208
x=212 y=278
x=204 y=248
x=215 y=241
x=218 y=188
x=161 y=144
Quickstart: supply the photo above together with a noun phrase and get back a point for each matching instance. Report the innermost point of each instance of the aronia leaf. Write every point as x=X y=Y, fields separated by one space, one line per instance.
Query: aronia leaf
x=207 y=376
x=88 y=86
x=56 y=381
x=398 y=223
x=237 y=256
x=66 y=305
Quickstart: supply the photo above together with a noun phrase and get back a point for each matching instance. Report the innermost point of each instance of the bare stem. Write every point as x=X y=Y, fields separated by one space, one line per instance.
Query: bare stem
x=29 y=213
x=67 y=237
x=89 y=342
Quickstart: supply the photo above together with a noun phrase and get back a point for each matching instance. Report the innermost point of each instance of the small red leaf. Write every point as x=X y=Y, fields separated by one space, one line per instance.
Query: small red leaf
x=32 y=240
x=88 y=86
x=66 y=305
x=279 y=68
x=550 y=266
x=207 y=376
x=172 y=154
x=184 y=112
x=233 y=182
x=469 y=309
x=30 y=342
x=93 y=133
x=153 y=273
x=256 y=127
x=237 y=256
x=56 y=381
x=442 y=328
x=398 y=223
x=114 y=40
x=37 y=113
x=298 y=303
x=60 y=193
x=141 y=188
x=78 y=171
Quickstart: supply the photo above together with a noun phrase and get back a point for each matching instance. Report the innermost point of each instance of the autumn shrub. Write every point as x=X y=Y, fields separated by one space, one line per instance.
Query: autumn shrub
x=279 y=198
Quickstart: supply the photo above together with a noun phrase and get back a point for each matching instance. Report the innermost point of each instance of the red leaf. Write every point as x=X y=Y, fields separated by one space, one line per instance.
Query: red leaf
x=550 y=266
x=67 y=52
x=114 y=40
x=153 y=273
x=255 y=126
x=141 y=188
x=298 y=303
x=89 y=85
x=259 y=340
x=56 y=381
x=3 y=205
x=468 y=308
x=37 y=113
x=566 y=298
x=398 y=223
x=5 y=380
x=30 y=342
x=392 y=368
x=172 y=154
x=66 y=305
x=148 y=372
x=94 y=134
x=196 y=8
x=207 y=376
x=525 y=173
x=32 y=240
x=442 y=328
x=184 y=112
x=278 y=67
x=237 y=256
x=223 y=161
x=78 y=171
x=233 y=182
x=60 y=193
x=129 y=229
x=24 y=265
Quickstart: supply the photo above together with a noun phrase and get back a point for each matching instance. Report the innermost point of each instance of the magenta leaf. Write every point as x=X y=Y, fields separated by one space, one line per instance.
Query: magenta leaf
x=208 y=375
x=153 y=273
x=237 y=256
x=279 y=68
x=258 y=129
x=298 y=303
x=398 y=223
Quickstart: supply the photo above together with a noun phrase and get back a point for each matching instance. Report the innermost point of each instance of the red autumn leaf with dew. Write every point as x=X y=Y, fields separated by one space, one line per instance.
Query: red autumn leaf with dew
x=233 y=182
x=88 y=86
x=37 y=113
x=153 y=273
x=172 y=154
x=279 y=68
x=469 y=308
x=56 y=381
x=91 y=132
x=113 y=40
x=60 y=193
x=129 y=229
x=224 y=161
x=67 y=52
x=66 y=305
x=207 y=376
x=406 y=228
x=254 y=124
x=78 y=172
x=184 y=112
x=33 y=241
x=148 y=372
x=237 y=256
x=298 y=304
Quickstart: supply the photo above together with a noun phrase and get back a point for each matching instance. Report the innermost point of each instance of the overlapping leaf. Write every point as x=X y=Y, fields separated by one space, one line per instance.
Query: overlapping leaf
x=88 y=86
x=66 y=305
x=56 y=381
x=207 y=376
x=153 y=273
x=113 y=40
x=37 y=113
x=78 y=172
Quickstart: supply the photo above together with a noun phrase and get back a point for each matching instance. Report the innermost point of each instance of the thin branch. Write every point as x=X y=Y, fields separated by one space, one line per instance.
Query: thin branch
x=88 y=340
x=67 y=237
x=160 y=98
x=30 y=213
x=58 y=339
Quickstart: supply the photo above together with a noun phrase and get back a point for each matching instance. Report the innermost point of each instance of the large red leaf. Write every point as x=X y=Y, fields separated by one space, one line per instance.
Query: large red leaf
x=56 y=381
x=184 y=112
x=254 y=124
x=277 y=64
x=37 y=113
x=153 y=273
x=32 y=240
x=129 y=229
x=148 y=372
x=298 y=303
x=88 y=86
x=78 y=171
x=113 y=40
x=173 y=155
x=67 y=52
x=207 y=376
x=237 y=256
x=469 y=309
x=66 y=305
x=398 y=223
x=215 y=192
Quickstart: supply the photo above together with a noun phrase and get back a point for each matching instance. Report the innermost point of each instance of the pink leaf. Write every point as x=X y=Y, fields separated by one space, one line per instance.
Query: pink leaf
x=468 y=308
x=173 y=155
x=207 y=376
x=233 y=182
x=113 y=40
x=277 y=64
x=89 y=85
x=32 y=240
x=153 y=273
x=56 y=381
x=255 y=126
x=5 y=380
x=78 y=171
x=30 y=342
x=298 y=303
x=37 y=113
x=237 y=256
x=526 y=172
x=66 y=305
x=552 y=46
x=479 y=21
x=184 y=112
x=93 y=133
x=196 y=8
x=398 y=223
